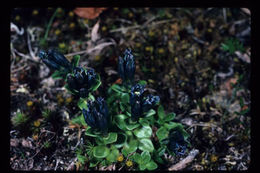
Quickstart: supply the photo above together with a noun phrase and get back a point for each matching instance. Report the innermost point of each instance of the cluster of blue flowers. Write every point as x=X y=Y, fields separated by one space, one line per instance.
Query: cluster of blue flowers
x=177 y=144
x=96 y=115
x=81 y=81
x=54 y=60
x=139 y=103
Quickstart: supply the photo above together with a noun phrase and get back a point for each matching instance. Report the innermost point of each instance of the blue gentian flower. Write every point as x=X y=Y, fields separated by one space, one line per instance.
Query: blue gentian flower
x=177 y=143
x=126 y=66
x=81 y=81
x=54 y=60
x=96 y=115
x=139 y=103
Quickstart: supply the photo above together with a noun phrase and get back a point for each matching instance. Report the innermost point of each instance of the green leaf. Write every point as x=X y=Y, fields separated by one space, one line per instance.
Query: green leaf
x=81 y=158
x=151 y=112
x=93 y=163
x=144 y=122
x=161 y=151
x=151 y=165
x=137 y=158
x=146 y=157
x=117 y=88
x=72 y=91
x=120 y=121
x=130 y=125
x=146 y=145
x=91 y=132
x=57 y=74
x=124 y=98
x=130 y=147
x=173 y=125
x=142 y=82
x=75 y=60
x=82 y=103
x=100 y=151
x=143 y=132
x=161 y=113
x=98 y=83
x=121 y=140
x=142 y=167
x=162 y=133
x=169 y=117
x=112 y=156
x=79 y=120
x=111 y=138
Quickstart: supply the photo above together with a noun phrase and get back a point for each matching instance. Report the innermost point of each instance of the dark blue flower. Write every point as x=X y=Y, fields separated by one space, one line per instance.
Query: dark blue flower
x=96 y=115
x=55 y=60
x=126 y=66
x=177 y=143
x=139 y=103
x=81 y=81
x=149 y=102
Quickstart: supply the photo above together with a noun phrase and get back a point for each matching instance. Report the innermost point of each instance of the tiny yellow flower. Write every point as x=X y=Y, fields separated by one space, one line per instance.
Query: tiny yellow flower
x=176 y=59
x=138 y=44
x=35 y=12
x=213 y=158
x=60 y=100
x=71 y=14
x=151 y=33
x=62 y=45
x=130 y=14
x=57 y=31
x=147 y=48
x=153 y=70
x=72 y=25
x=60 y=10
x=68 y=100
x=17 y=18
x=116 y=8
x=86 y=21
x=29 y=103
x=35 y=137
x=120 y=158
x=203 y=100
x=104 y=28
x=97 y=58
x=129 y=163
x=37 y=123
x=161 y=50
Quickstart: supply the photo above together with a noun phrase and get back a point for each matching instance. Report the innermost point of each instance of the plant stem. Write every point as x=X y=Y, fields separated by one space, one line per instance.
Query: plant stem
x=49 y=24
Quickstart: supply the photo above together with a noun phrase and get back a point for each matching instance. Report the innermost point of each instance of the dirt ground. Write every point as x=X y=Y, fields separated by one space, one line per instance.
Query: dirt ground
x=196 y=60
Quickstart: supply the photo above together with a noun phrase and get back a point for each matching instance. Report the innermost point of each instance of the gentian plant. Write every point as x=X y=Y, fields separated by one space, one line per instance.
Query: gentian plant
x=122 y=126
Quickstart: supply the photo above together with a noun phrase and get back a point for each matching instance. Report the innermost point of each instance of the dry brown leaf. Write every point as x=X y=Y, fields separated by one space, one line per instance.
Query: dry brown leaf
x=89 y=13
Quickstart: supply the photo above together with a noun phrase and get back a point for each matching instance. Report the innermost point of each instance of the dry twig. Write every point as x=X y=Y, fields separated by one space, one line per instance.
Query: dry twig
x=183 y=163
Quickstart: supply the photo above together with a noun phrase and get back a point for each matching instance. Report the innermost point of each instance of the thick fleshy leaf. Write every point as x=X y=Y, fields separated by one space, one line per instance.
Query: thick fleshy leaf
x=151 y=165
x=173 y=125
x=100 y=151
x=146 y=145
x=169 y=117
x=91 y=132
x=125 y=98
x=143 y=132
x=121 y=140
x=130 y=147
x=111 y=138
x=161 y=113
x=82 y=103
x=146 y=157
x=137 y=158
x=112 y=156
x=151 y=112
x=75 y=60
x=120 y=121
x=162 y=133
